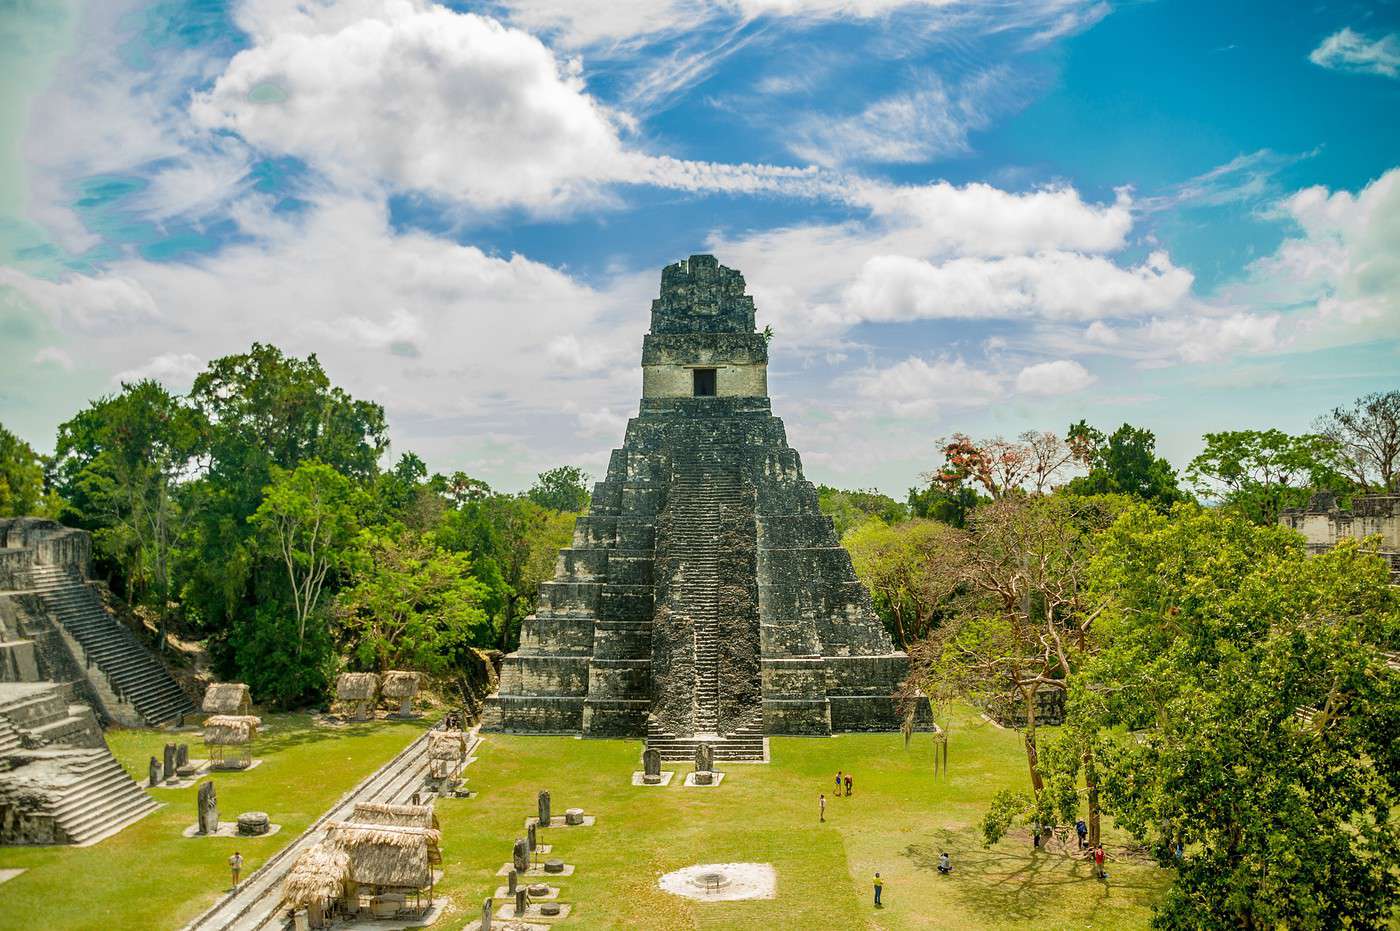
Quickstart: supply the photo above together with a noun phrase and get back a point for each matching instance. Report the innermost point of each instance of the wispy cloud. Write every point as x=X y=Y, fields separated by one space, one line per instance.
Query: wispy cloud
x=1348 y=50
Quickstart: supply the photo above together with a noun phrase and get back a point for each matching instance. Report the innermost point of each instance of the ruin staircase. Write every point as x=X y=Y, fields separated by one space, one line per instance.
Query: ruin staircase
x=10 y=737
x=132 y=672
x=101 y=801
x=698 y=493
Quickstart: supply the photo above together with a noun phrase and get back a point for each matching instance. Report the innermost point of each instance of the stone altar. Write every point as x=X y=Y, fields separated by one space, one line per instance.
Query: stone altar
x=704 y=592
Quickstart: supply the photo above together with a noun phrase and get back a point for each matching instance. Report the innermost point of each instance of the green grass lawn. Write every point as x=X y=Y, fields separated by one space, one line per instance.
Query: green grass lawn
x=897 y=822
x=901 y=816
x=149 y=876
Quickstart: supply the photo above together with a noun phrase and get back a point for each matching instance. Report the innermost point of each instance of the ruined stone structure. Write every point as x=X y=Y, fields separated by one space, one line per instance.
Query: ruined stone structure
x=65 y=665
x=705 y=597
x=54 y=627
x=1323 y=523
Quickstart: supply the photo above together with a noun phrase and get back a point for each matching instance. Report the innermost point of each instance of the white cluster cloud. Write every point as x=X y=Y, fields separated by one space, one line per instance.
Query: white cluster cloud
x=1344 y=263
x=1053 y=285
x=918 y=387
x=410 y=95
x=1348 y=50
x=1063 y=376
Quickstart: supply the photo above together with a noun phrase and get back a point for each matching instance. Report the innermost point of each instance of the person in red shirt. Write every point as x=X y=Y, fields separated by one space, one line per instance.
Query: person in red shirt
x=1098 y=862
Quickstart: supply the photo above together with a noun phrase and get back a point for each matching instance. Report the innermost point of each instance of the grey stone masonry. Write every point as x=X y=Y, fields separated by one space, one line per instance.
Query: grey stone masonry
x=705 y=598
x=53 y=620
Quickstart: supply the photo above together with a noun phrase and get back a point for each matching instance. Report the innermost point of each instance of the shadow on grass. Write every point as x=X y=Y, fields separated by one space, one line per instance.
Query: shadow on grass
x=1006 y=883
x=295 y=732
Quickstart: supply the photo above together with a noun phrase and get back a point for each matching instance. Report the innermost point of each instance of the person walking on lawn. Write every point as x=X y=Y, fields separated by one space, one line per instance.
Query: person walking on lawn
x=879 y=887
x=821 y=807
x=848 y=785
x=1098 y=862
x=838 y=782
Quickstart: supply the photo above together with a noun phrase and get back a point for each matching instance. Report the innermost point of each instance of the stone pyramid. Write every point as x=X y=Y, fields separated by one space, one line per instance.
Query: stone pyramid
x=705 y=596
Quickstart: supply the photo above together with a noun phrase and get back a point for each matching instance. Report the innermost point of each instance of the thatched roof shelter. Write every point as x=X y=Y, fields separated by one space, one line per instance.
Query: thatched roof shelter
x=356 y=686
x=403 y=816
x=447 y=745
x=230 y=730
x=227 y=698
x=388 y=857
x=399 y=685
x=317 y=874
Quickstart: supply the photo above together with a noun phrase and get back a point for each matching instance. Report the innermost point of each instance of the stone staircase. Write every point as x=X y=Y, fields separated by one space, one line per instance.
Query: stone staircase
x=136 y=676
x=696 y=497
x=698 y=492
x=10 y=739
x=100 y=801
x=746 y=744
x=40 y=711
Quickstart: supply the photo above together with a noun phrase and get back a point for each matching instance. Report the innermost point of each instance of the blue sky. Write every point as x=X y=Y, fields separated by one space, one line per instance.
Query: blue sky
x=984 y=217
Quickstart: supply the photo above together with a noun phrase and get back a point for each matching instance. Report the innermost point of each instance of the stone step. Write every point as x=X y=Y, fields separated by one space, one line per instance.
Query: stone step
x=130 y=669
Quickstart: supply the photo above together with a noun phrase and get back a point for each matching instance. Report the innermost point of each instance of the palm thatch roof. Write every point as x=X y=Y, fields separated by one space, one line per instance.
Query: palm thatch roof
x=381 y=855
x=229 y=730
x=227 y=698
x=398 y=684
x=356 y=686
x=446 y=745
x=403 y=816
x=317 y=874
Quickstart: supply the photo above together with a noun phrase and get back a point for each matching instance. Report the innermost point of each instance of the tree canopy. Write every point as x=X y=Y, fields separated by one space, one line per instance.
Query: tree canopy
x=21 y=479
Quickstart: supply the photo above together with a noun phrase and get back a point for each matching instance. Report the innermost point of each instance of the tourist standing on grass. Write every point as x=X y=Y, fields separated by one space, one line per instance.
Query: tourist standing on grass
x=1098 y=862
x=945 y=863
x=821 y=807
x=235 y=863
x=848 y=785
x=1082 y=830
x=879 y=887
x=838 y=783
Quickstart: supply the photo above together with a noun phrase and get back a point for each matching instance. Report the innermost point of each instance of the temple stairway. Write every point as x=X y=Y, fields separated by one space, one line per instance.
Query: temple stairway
x=9 y=737
x=132 y=672
x=101 y=800
x=698 y=491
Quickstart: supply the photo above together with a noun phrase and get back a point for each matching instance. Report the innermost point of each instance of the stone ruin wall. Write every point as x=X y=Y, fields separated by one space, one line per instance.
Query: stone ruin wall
x=1323 y=523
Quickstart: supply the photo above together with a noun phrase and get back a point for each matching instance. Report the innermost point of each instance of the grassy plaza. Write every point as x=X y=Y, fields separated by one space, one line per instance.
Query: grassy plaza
x=898 y=820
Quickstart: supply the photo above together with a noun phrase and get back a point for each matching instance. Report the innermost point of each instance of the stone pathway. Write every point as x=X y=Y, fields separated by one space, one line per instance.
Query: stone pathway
x=255 y=905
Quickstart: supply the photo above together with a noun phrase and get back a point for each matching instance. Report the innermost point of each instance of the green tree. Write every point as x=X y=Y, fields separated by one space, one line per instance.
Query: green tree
x=1124 y=462
x=514 y=544
x=126 y=465
x=1260 y=472
x=1250 y=715
x=849 y=509
x=22 y=479
x=1366 y=436
x=306 y=525
x=265 y=410
x=564 y=488
x=912 y=570
x=1023 y=627
x=411 y=604
x=936 y=502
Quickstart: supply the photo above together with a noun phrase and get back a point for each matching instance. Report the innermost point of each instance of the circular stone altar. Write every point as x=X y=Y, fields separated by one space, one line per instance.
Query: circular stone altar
x=554 y=866
x=722 y=882
x=549 y=909
x=253 y=823
x=538 y=889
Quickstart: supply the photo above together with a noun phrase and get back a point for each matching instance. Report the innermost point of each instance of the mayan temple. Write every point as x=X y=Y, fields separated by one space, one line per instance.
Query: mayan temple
x=705 y=597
